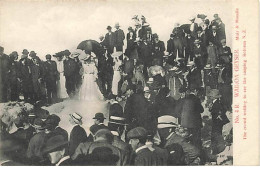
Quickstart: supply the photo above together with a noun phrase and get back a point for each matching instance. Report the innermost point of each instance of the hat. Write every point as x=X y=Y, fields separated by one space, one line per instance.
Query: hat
x=137 y=133
x=146 y=89
x=55 y=119
x=85 y=57
x=202 y=16
x=146 y=24
x=109 y=27
x=206 y=21
x=48 y=56
x=223 y=41
x=218 y=66
x=38 y=123
x=214 y=27
x=130 y=28
x=76 y=118
x=150 y=80
x=54 y=143
x=99 y=116
x=66 y=52
x=32 y=53
x=137 y=39
x=208 y=66
x=215 y=15
x=155 y=35
x=167 y=121
x=74 y=55
x=197 y=41
x=104 y=132
x=117 y=25
x=214 y=93
x=25 y=51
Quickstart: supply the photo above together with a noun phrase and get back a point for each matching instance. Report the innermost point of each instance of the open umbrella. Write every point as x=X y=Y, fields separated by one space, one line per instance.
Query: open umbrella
x=92 y=46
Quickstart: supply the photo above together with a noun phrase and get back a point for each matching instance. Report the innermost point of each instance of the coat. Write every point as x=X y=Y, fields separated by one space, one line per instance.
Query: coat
x=110 y=40
x=212 y=55
x=194 y=78
x=193 y=32
x=170 y=46
x=78 y=135
x=190 y=113
x=119 y=37
x=34 y=151
x=125 y=149
x=70 y=67
x=51 y=74
x=190 y=151
x=25 y=75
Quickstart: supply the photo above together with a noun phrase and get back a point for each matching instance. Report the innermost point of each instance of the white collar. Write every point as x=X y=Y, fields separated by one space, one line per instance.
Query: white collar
x=140 y=148
x=62 y=159
x=214 y=100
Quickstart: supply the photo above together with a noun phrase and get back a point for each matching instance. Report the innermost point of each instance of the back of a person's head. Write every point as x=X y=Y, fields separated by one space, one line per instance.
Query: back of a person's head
x=104 y=134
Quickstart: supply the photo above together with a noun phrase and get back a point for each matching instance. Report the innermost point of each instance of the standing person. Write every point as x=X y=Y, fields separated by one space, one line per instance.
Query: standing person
x=89 y=89
x=51 y=77
x=194 y=77
x=200 y=54
x=78 y=134
x=178 y=40
x=193 y=27
x=224 y=52
x=26 y=76
x=69 y=73
x=191 y=117
x=117 y=71
x=4 y=70
x=170 y=47
x=212 y=55
x=37 y=78
x=119 y=38
x=106 y=73
x=61 y=89
x=110 y=40
x=78 y=77
x=158 y=50
x=220 y=30
x=214 y=36
x=14 y=76
x=188 y=46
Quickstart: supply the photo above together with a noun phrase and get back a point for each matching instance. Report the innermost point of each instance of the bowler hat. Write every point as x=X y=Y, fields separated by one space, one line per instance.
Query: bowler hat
x=109 y=27
x=99 y=116
x=54 y=143
x=25 y=52
x=137 y=133
x=155 y=36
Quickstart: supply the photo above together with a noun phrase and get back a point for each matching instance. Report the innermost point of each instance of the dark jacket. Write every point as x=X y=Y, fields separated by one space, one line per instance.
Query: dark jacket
x=119 y=37
x=69 y=67
x=78 y=135
x=190 y=113
x=110 y=40
x=170 y=46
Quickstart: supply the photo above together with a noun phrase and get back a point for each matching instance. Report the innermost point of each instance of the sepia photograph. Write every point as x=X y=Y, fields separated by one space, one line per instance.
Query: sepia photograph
x=117 y=83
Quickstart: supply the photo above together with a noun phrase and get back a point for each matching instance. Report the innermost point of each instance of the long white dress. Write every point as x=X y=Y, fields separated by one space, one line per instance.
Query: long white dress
x=61 y=89
x=89 y=89
x=116 y=77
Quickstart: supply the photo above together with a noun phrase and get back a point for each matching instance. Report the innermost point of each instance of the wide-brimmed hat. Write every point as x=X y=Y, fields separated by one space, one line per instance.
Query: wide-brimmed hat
x=99 y=116
x=218 y=66
x=25 y=52
x=167 y=121
x=214 y=93
x=208 y=66
x=74 y=55
x=54 y=143
x=190 y=63
x=76 y=118
x=146 y=89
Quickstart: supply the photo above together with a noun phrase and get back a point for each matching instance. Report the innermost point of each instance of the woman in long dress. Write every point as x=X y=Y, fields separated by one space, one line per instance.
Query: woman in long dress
x=117 y=74
x=89 y=89
x=61 y=89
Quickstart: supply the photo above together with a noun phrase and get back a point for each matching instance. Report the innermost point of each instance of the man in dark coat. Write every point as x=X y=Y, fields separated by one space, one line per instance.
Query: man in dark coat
x=170 y=47
x=4 y=70
x=214 y=36
x=14 y=76
x=98 y=124
x=194 y=77
x=200 y=54
x=188 y=46
x=193 y=27
x=119 y=38
x=158 y=50
x=105 y=74
x=51 y=77
x=52 y=123
x=178 y=40
x=109 y=40
x=78 y=134
x=224 y=52
x=221 y=30
x=143 y=155
x=191 y=110
x=69 y=72
x=26 y=76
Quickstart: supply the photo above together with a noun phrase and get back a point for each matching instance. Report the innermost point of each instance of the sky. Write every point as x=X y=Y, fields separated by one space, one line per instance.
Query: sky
x=48 y=27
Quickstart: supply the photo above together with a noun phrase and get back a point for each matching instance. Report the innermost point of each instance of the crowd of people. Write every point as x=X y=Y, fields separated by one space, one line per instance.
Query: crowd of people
x=157 y=95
